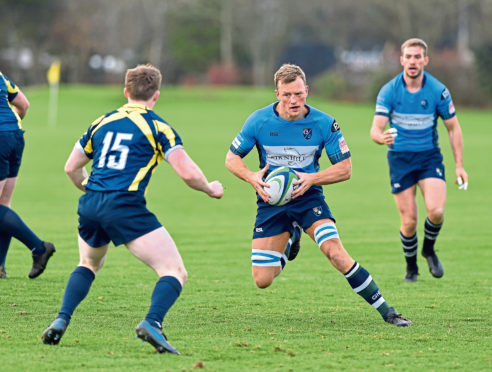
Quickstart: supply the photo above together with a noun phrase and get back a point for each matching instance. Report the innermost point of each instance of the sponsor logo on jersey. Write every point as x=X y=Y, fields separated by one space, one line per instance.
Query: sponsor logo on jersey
x=343 y=145
x=307 y=133
x=317 y=211
x=292 y=156
x=396 y=185
x=335 y=127
x=451 y=108
x=413 y=121
x=424 y=103
x=259 y=229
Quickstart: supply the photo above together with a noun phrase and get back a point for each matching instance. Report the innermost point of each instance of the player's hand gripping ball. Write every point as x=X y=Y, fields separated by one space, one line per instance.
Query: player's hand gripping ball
x=281 y=182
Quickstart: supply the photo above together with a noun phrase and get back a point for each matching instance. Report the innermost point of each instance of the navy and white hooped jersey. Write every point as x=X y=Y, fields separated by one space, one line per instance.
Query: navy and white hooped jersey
x=9 y=120
x=125 y=146
x=297 y=144
x=415 y=115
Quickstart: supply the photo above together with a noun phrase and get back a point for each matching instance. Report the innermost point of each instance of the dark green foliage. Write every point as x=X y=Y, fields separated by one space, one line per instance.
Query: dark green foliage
x=483 y=62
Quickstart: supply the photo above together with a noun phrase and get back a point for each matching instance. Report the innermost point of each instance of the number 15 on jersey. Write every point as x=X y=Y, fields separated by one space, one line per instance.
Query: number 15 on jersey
x=114 y=144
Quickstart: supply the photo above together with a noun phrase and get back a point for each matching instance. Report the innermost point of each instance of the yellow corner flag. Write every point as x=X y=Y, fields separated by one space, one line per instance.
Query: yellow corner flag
x=53 y=74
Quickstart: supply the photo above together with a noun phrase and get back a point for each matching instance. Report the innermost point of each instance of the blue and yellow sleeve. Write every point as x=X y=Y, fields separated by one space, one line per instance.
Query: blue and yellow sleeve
x=86 y=139
x=168 y=139
x=12 y=89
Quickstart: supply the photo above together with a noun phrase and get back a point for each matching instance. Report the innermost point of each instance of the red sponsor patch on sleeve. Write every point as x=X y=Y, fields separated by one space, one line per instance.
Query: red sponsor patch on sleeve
x=343 y=145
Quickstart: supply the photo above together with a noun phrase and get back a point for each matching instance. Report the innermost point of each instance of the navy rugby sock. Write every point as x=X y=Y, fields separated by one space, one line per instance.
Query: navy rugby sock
x=78 y=286
x=12 y=224
x=4 y=247
x=431 y=232
x=166 y=292
x=409 y=245
x=363 y=284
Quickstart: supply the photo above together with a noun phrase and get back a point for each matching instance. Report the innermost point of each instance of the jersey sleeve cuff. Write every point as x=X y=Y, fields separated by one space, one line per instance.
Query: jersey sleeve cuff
x=382 y=110
x=235 y=151
x=168 y=152
x=449 y=116
x=337 y=158
x=11 y=96
x=79 y=147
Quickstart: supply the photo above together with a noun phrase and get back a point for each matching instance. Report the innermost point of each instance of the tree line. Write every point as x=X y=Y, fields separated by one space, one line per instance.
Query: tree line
x=237 y=41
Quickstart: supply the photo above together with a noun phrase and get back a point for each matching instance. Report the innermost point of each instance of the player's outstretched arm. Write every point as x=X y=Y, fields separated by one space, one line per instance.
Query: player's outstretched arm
x=236 y=166
x=378 y=134
x=192 y=175
x=75 y=167
x=21 y=104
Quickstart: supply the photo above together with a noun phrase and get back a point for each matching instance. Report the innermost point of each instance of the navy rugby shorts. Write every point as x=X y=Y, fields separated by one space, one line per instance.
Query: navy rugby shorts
x=11 y=149
x=115 y=216
x=407 y=168
x=305 y=210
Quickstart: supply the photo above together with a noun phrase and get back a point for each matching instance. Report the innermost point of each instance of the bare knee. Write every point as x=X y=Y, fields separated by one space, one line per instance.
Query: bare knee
x=183 y=275
x=262 y=282
x=337 y=255
x=263 y=278
x=93 y=266
x=436 y=215
x=178 y=272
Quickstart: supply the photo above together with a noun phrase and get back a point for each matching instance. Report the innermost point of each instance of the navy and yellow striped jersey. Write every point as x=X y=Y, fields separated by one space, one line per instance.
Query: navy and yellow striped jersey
x=9 y=120
x=125 y=147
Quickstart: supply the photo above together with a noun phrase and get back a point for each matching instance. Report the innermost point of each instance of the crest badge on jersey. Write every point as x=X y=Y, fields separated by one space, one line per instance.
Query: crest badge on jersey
x=424 y=103
x=444 y=94
x=307 y=133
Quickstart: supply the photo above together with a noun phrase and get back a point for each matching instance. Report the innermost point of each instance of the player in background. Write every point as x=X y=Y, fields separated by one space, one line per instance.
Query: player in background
x=411 y=103
x=125 y=146
x=291 y=133
x=13 y=108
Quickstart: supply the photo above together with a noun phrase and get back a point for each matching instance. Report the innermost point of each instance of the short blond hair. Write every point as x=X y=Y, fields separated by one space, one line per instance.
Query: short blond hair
x=414 y=42
x=142 y=82
x=288 y=73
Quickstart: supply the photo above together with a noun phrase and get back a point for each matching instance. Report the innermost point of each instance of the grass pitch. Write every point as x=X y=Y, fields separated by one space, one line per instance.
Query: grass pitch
x=309 y=319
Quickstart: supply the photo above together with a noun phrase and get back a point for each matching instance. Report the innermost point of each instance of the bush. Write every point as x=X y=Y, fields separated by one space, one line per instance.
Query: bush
x=376 y=81
x=483 y=61
x=460 y=78
x=332 y=85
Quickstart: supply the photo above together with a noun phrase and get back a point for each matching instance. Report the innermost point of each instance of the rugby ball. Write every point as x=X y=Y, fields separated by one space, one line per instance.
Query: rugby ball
x=281 y=182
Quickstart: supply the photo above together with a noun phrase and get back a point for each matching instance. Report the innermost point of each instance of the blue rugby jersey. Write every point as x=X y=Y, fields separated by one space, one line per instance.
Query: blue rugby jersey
x=125 y=146
x=415 y=115
x=297 y=144
x=9 y=120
